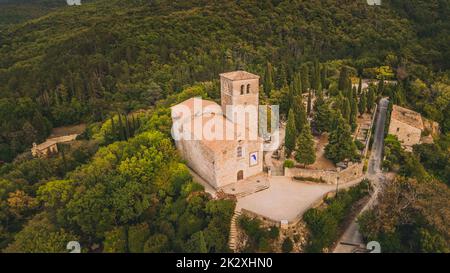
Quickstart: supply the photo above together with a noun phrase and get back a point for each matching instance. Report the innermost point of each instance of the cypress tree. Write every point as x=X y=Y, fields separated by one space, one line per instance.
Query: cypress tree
x=291 y=95
x=281 y=78
x=370 y=99
x=362 y=103
x=113 y=128
x=381 y=86
x=353 y=113
x=299 y=113
x=308 y=110
x=291 y=132
x=346 y=110
x=305 y=78
x=340 y=145
x=360 y=87
x=315 y=78
x=127 y=127
x=121 y=127
x=343 y=79
x=323 y=76
x=305 y=151
x=133 y=120
x=268 y=79
x=297 y=82
x=322 y=115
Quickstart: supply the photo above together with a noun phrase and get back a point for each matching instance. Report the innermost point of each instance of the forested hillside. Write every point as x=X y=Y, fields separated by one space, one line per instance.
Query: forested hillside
x=17 y=11
x=119 y=65
x=81 y=63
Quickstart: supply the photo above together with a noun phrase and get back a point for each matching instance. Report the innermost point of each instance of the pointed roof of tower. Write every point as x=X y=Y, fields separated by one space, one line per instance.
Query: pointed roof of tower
x=239 y=75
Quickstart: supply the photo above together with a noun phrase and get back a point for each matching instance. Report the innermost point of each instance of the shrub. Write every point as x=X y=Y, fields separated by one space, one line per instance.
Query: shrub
x=289 y=164
x=260 y=238
x=359 y=145
x=287 y=245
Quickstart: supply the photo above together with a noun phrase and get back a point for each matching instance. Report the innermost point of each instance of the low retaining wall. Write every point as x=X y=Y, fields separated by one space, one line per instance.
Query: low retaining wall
x=352 y=172
x=267 y=221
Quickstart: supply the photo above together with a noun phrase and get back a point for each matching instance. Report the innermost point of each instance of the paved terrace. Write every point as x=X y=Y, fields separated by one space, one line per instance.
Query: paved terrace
x=287 y=199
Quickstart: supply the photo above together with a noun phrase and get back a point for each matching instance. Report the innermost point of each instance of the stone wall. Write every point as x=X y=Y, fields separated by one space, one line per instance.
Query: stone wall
x=199 y=158
x=353 y=172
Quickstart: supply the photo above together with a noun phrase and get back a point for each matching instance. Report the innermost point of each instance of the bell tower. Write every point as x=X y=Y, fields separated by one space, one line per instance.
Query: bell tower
x=239 y=89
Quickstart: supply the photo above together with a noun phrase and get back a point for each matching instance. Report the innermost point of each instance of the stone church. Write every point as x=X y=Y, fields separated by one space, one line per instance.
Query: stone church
x=217 y=143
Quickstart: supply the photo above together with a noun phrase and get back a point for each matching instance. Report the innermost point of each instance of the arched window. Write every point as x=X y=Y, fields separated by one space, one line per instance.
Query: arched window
x=239 y=152
x=248 y=88
x=242 y=90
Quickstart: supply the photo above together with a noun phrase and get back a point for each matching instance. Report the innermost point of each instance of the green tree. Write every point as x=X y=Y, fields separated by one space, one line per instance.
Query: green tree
x=322 y=115
x=381 y=86
x=324 y=76
x=268 y=79
x=291 y=132
x=340 y=145
x=287 y=245
x=370 y=99
x=343 y=79
x=40 y=235
x=157 y=243
x=137 y=235
x=305 y=78
x=305 y=151
x=297 y=84
x=196 y=244
x=353 y=111
x=281 y=80
x=115 y=241
x=300 y=113
x=362 y=103
x=359 y=87
x=346 y=109
x=315 y=79
x=308 y=111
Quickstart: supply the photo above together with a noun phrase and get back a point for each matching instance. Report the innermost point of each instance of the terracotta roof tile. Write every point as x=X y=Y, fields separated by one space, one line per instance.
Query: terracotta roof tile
x=239 y=75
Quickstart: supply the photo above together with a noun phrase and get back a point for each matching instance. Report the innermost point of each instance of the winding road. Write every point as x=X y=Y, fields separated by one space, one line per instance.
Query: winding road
x=351 y=241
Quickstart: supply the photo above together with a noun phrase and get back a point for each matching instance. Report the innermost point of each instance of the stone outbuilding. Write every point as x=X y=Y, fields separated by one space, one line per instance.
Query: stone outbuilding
x=407 y=125
x=50 y=146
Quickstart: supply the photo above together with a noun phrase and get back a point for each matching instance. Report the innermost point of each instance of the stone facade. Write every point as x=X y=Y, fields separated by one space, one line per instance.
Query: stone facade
x=407 y=125
x=220 y=161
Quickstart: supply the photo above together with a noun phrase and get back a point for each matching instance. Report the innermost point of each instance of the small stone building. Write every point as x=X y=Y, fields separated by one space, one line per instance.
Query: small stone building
x=217 y=146
x=407 y=125
x=50 y=146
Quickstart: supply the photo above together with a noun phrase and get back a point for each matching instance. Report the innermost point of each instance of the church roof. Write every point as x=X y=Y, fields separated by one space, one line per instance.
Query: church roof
x=239 y=75
x=407 y=116
x=232 y=133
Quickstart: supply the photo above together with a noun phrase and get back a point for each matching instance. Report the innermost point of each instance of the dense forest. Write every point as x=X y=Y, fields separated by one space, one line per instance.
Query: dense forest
x=101 y=62
x=17 y=11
